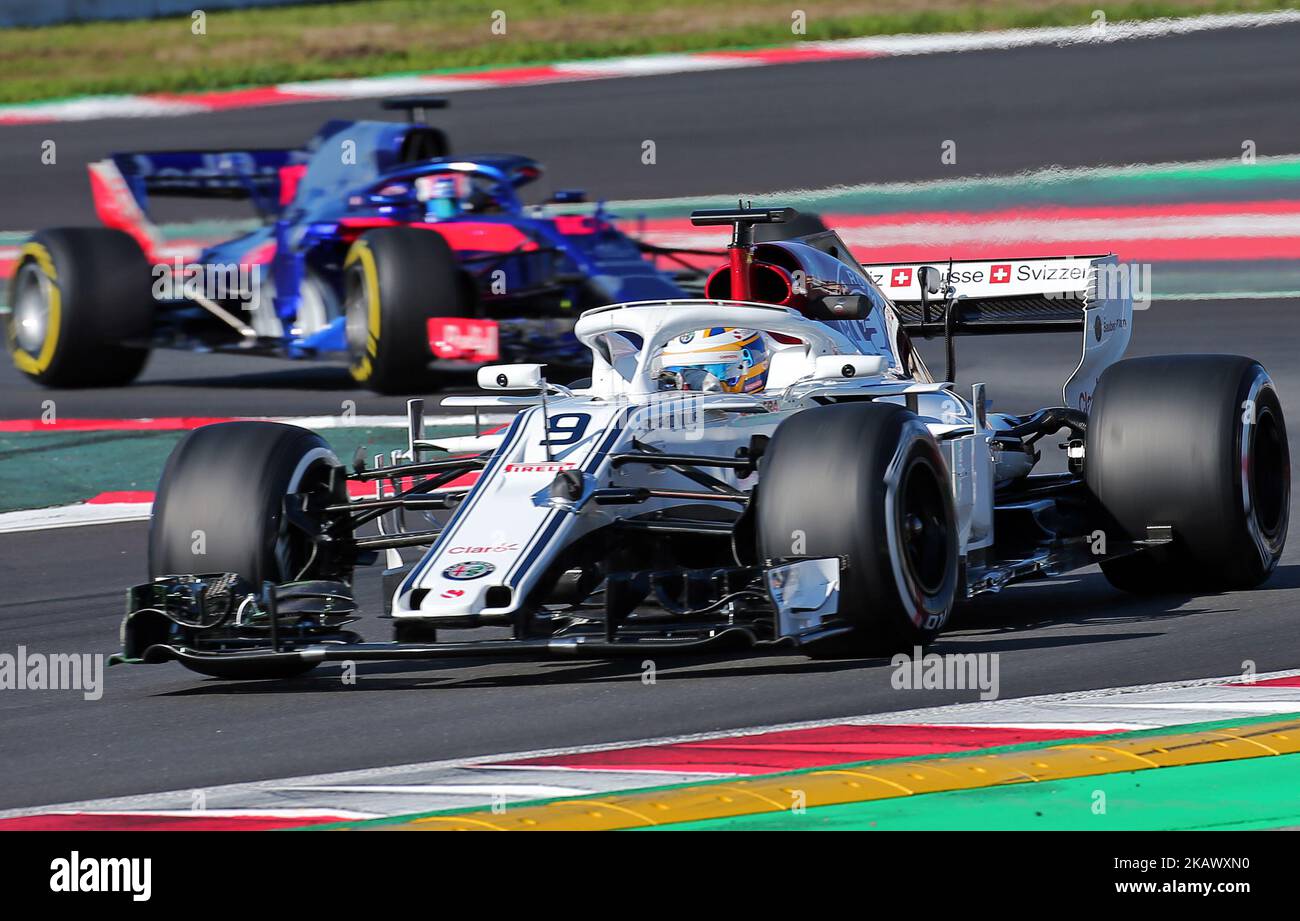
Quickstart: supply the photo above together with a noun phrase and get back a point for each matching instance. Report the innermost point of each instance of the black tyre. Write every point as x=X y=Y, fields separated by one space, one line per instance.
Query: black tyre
x=220 y=508
x=1197 y=442
x=77 y=297
x=865 y=481
x=397 y=279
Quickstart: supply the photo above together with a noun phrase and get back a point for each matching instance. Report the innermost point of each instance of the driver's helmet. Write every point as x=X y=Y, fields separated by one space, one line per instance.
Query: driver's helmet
x=443 y=194
x=719 y=358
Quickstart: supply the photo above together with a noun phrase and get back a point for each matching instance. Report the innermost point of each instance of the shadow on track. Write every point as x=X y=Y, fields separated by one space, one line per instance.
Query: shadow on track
x=1088 y=599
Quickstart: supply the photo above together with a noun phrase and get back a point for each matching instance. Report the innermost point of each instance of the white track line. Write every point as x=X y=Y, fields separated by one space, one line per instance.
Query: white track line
x=1059 y=35
x=649 y=65
x=456 y=789
x=242 y=813
x=369 y=87
x=73 y=516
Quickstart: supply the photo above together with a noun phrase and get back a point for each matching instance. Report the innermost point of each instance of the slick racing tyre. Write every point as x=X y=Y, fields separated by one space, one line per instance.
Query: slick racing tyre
x=1198 y=443
x=865 y=482
x=81 y=308
x=395 y=280
x=220 y=508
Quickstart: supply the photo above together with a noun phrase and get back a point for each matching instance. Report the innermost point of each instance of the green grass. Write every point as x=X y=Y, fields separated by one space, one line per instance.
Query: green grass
x=372 y=37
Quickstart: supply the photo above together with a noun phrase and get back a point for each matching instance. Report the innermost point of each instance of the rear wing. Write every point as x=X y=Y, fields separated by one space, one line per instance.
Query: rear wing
x=122 y=184
x=254 y=175
x=1088 y=295
x=996 y=295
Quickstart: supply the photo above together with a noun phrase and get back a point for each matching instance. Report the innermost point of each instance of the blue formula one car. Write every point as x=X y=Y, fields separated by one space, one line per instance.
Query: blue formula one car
x=376 y=245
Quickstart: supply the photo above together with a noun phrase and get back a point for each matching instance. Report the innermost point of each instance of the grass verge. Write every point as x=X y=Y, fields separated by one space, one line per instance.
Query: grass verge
x=373 y=37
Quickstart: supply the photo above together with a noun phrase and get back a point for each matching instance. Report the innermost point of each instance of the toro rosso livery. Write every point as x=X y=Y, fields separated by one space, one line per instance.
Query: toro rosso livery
x=376 y=245
x=772 y=465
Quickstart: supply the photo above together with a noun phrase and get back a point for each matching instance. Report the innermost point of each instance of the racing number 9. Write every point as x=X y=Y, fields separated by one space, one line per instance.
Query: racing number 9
x=571 y=426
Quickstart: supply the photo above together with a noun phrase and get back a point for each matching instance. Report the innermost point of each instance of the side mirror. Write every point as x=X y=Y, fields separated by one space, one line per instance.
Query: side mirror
x=511 y=377
x=843 y=367
x=930 y=279
x=569 y=196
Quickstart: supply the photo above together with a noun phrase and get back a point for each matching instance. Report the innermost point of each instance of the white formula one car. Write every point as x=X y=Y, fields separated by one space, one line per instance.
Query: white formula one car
x=772 y=466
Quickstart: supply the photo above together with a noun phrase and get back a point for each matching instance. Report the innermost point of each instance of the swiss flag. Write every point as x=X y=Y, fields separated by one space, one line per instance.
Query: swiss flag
x=900 y=278
x=1000 y=274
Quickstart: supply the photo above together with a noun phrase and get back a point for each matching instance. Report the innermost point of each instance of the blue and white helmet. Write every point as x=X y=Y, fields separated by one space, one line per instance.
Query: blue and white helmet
x=736 y=358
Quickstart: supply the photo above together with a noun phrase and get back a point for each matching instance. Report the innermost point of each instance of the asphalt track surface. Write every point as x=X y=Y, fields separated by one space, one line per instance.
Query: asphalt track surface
x=162 y=727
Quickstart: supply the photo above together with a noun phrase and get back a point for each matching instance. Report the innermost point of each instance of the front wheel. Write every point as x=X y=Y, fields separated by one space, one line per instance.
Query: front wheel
x=220 y=508
x=396 y=279
x=865 y=482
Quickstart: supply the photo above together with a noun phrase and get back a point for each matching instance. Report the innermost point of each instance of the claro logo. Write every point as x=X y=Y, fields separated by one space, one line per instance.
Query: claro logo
x=495 y=548
x=75 y=873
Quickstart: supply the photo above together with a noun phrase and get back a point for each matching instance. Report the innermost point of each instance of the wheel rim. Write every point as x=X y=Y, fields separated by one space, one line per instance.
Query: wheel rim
x=923 y=528
x=31 y=308
x=356 y=310
x=294 y=552
x=1268 y=474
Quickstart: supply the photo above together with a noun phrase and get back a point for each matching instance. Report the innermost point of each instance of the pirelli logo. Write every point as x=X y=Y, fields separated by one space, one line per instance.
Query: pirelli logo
x=545 y=467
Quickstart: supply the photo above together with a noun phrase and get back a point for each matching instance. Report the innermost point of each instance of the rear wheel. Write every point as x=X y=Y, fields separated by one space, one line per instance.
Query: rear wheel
x=1198 y=443
x=220 y=508
x=81 y=308
x=865 y=482
x=396 y=280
